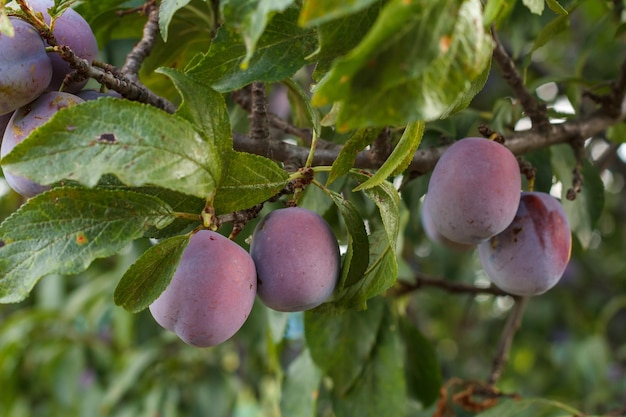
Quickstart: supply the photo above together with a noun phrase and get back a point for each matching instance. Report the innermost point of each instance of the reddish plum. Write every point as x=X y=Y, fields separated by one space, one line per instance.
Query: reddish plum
x=211 y=293
x=530 y=256
x=297 y=259
x=474 y=190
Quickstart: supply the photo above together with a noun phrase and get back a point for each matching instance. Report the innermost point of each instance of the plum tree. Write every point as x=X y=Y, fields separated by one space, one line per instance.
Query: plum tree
x=530 y=256
x=25 y=69
x=70 y=29
x=211 y=293
x=26 y=119
x=474 y=190
x=297 y=259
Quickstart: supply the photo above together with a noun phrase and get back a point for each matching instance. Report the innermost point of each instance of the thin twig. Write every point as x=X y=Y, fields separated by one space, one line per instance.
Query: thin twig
x=506 y=339
x=535 y=110
x=124 y=86
x=142 y=49
x=421 y=281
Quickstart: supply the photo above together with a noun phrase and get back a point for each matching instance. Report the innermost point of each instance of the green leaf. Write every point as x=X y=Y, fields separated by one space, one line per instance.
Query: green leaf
x=339 y=36
x=535 y=6
x=535 y=407
x=249 y=18
x=315 y=12
x=166 y=12
x=139 y=144
x=148 y=277
x=381 y=273
x=556 y=7
x=557 y=25
x=6 y=27
x=280 y=52
x=357 y=254
x=204 y=107
x=63 y=230
x=341 y=344
x=380 y=389
x=249 y=180
x=422 y=72
x=349 y=151
x=423 y=373
x=400 y=158
x=300 y=387
x=387 y=199
x=582 y=221
x=303 y=100
x=496 y=10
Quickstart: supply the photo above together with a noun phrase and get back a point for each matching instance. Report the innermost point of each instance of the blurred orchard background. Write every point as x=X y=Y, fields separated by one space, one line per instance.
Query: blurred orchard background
x=68 y=350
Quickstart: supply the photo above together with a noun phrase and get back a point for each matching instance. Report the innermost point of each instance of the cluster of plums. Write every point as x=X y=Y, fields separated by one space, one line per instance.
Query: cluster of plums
x=474 y=198
x=30 y=79
x=293 y=265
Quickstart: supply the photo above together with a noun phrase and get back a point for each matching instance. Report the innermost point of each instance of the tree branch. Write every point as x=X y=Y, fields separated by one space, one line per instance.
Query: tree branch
x=453 y=287
x=535 y=110
x=506 y=339
x=424 y=160
x=142 y=49
x=259 y=123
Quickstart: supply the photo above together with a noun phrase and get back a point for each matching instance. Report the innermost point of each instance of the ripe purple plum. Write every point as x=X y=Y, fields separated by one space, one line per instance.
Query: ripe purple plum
x=530 y=256
x=25 y=69
x=211 y=293
x=22 y=123
x=297 y=259
x=474 y=190
x=70 y=29
x=433 y=234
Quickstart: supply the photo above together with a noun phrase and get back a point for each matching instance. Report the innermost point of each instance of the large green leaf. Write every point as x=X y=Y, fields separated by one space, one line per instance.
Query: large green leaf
x=279 y=53
x=249 y=18
x=380 y=388
x=300 y=387
x=400 y=158
x=146 y=279
x=139 y=144
x=417 y=63
x=341 y=344
x=63 y=230
x=337 y=37
x=315 y=12
x=249 y=180
x=204 y=107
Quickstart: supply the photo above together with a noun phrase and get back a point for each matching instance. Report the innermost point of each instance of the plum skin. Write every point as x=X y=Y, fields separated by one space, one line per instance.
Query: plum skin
x=211 y=293
x=25 y=69
x=70 y=29
x=433 y=234
x=530 y=256
x=474 y=190
x=297 y=259
x=26 y=119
